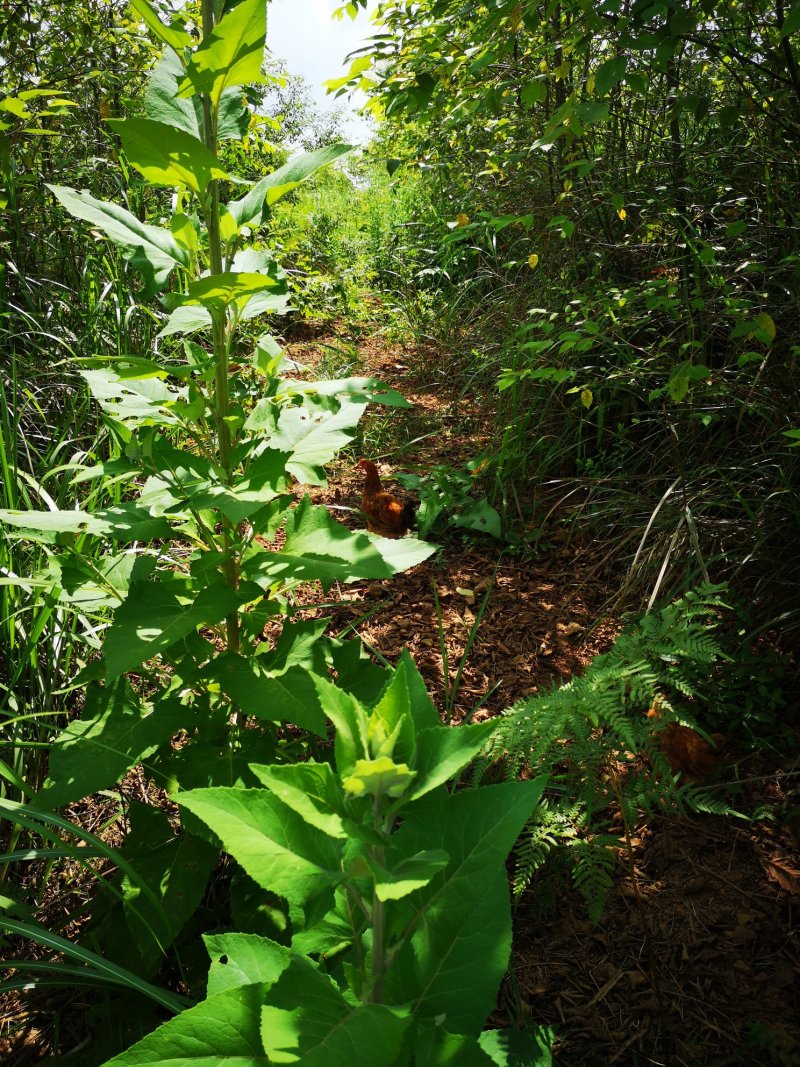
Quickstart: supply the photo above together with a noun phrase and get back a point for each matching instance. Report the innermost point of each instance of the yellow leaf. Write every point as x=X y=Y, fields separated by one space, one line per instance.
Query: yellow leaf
x=766 y=325
x=586 y=398
x=568 y=185
x=623 y=214
x=379 y=776
x=462 y=219
x=516 y=17
x=533 y=260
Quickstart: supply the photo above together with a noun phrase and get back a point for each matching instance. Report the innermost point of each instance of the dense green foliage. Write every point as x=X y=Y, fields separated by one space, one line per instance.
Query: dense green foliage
x=668 y=660
x=587 y=213
x=606 y=232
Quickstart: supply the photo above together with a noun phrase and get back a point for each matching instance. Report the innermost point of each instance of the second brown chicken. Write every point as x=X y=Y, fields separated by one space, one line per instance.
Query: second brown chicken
x=685 y=750
x=385 y=513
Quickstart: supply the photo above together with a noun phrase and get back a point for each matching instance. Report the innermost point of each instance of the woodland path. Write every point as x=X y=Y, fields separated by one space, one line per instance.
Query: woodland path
x=715 y=898
x=695 y=961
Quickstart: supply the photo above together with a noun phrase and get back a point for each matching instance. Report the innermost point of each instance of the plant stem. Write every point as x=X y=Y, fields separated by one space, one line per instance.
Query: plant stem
x=221 y=398
x=378 y=917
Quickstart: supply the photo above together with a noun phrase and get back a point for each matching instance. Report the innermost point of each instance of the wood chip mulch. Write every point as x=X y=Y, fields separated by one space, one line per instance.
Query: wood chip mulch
x=696 y=961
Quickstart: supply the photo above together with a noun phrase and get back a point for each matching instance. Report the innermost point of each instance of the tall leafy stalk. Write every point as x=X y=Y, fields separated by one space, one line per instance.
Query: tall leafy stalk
x=221 y=329
x=173 y=560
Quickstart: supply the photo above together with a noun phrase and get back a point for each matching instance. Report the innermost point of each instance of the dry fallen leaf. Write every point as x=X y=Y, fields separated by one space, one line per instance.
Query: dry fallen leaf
x=781 y=871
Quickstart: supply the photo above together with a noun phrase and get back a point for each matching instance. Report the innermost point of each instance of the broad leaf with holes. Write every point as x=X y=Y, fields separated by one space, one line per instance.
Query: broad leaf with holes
x=317 y=548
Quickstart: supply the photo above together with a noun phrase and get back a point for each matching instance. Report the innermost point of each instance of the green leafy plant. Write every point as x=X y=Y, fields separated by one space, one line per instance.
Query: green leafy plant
x=199 y=537
x=396 y=892
x=446 y=490
x=589 y=736
x=209 y=469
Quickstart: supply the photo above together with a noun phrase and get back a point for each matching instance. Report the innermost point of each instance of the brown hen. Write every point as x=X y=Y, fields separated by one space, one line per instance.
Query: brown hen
x=685 y=750
x=386 y=514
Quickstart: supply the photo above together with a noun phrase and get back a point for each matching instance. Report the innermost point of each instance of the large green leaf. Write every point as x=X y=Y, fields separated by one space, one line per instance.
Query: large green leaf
x=244 y=959
x=163 y=104
x=310 y=789
x=391 y=718
x=355 y=671
x=223 y=1031
x=125 y=522
x=319 y=548
x=308 y=1021
x=176 y=38
x=176 y=869
x=165 y=155
x=250 y=209
x=313 y=433
x=189 y=318
x=114 y=732
x=231 y=54
x=157 y=614
x=443 y=752
x=314 y=436
x=301 y=644
x=423 y=712
x=103 y=582
x=409 y=875
x=350 y=719
x=219 y=290
x=195 y=481
x=276 y=846
x=286 y=696
x=204 y=764
x=135 y=401
x=464 y=915
x=151 y=249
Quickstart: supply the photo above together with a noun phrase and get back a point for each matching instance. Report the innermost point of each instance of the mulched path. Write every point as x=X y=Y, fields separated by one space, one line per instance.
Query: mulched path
x=698 y=962
x=695 y=962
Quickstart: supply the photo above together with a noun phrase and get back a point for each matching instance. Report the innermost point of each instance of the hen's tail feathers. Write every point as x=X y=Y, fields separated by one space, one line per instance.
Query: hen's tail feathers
x=410 y=513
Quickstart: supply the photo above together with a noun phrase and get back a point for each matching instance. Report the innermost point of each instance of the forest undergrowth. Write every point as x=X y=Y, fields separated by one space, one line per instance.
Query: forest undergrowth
x=707 y=882
x=263 y=769
x=689 y=921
